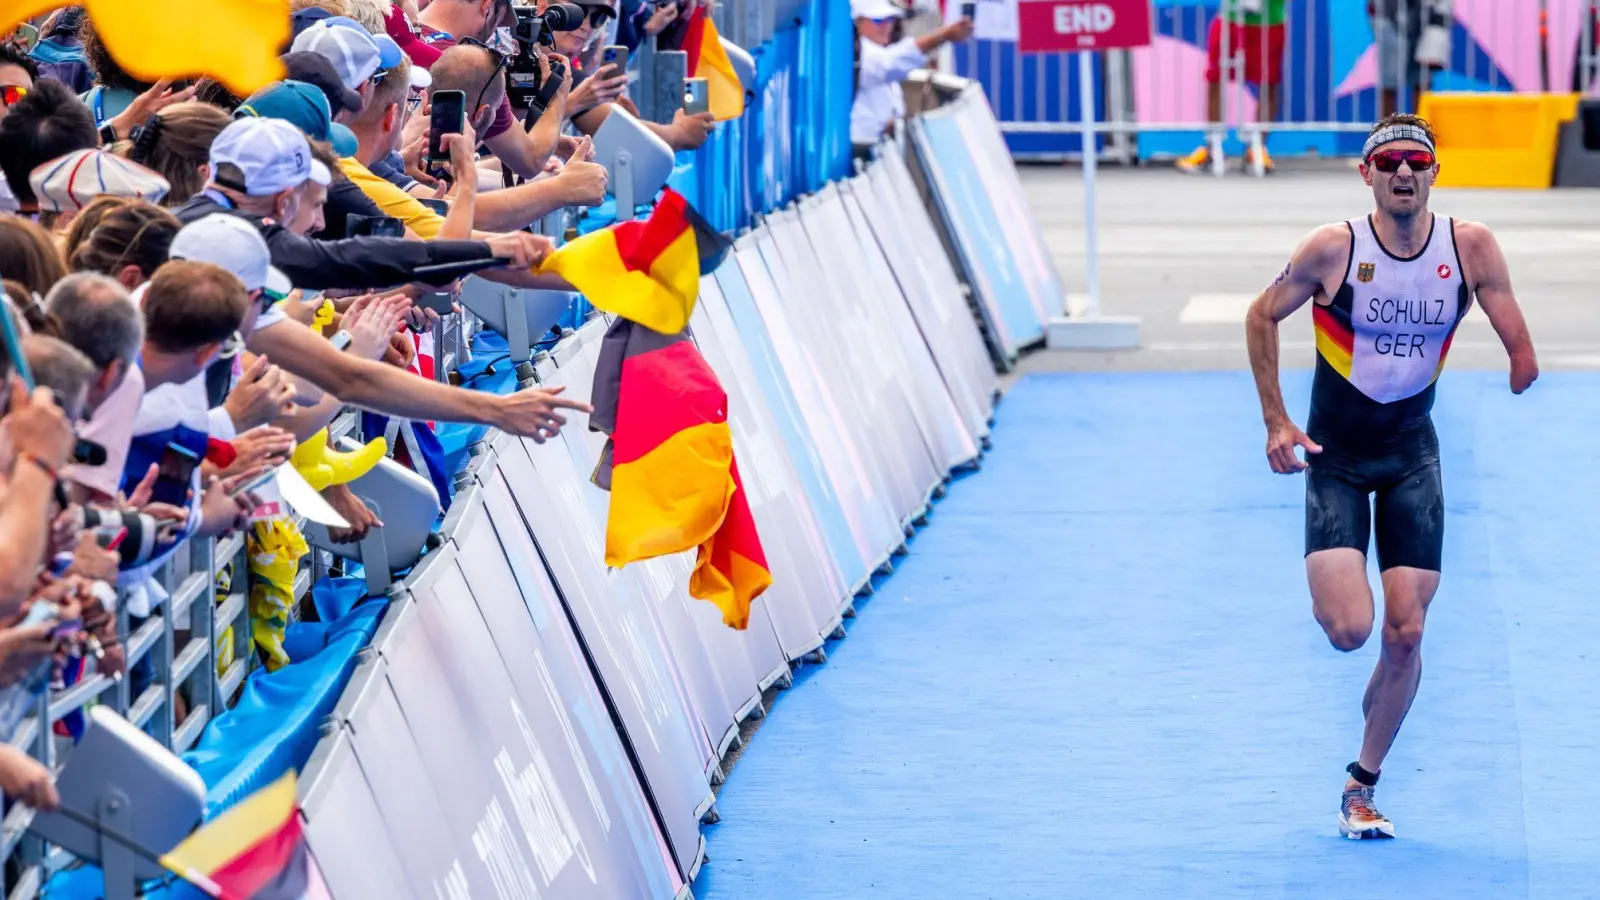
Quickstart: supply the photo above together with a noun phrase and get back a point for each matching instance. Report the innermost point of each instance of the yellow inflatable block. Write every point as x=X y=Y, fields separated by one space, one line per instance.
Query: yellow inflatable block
x=1497 y=140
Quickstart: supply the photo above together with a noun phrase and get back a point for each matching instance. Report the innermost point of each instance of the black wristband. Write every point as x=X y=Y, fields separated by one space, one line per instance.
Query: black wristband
x=1362 y=776
x=108 y=135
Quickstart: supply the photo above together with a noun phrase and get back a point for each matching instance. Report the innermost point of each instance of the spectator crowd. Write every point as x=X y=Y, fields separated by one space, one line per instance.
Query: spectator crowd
x=196 y=284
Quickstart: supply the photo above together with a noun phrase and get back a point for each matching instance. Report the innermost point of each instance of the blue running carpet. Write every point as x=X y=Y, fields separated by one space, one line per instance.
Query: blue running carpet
x=1097 y=674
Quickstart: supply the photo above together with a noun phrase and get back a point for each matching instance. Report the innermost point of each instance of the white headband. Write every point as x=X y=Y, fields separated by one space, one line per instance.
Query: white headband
x=1395 y=133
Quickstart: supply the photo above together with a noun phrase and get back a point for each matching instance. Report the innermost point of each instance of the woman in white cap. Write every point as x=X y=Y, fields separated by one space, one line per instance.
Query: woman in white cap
x=883 y=62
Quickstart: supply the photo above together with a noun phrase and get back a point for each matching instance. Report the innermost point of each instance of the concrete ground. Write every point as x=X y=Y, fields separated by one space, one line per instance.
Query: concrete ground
x=1187 y=253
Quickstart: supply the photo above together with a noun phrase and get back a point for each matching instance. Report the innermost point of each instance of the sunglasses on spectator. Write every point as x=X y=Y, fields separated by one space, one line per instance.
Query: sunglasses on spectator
x=11 y=93
x=1390 y=160
x=599 y=14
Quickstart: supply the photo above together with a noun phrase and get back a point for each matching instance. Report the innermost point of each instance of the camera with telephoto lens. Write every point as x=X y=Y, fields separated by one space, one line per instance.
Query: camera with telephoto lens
x=524 y=86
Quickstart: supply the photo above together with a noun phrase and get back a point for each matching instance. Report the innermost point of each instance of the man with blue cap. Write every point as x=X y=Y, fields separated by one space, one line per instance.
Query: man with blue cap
x=1389 y=289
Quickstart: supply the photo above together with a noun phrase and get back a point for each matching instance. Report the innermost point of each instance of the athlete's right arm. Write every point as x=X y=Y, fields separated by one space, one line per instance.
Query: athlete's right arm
x=1298 y=282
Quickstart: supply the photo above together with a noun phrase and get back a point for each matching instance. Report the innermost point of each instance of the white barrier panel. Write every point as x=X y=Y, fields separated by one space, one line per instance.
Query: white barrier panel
x=990 y=245
x=517 y=789
x=878 y=438
x=975 y=121
x=862 y=343
x=629 y=652
x=893 y=335
x=904 y=226
x=807 y=589
x=872 y=523
x=340 y=811
x=748 y=332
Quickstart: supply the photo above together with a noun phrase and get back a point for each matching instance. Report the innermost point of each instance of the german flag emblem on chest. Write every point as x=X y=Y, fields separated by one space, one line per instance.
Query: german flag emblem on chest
x=1365 y=271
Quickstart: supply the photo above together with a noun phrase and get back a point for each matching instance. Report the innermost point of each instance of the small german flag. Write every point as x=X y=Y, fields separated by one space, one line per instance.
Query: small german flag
x=670 y=467
x=256 y=850
x=646 y=271
x=708 y=60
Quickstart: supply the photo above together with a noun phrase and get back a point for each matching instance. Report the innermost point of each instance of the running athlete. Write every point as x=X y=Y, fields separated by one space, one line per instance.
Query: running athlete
x=1389 y=291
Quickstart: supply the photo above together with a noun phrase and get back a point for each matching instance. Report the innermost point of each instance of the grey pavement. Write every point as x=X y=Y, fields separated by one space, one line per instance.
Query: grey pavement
x=1185 y=253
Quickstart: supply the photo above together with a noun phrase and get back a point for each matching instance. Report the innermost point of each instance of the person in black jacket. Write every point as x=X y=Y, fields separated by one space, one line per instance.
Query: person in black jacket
x=260 y=169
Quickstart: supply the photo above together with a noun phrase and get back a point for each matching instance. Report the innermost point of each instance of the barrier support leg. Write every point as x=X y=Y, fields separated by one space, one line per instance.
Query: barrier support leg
x=1090 y=330
x=116 y=861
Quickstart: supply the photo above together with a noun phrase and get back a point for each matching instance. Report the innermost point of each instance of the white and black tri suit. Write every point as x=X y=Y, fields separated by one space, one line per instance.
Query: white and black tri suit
x=1381 y=343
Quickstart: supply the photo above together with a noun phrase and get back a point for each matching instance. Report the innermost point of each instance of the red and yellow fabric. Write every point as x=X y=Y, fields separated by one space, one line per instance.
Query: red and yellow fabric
x=646 y=271
x=182 y=40
x=670 y=467
x=709 y=60
x=1335 y=338
x=254 y=851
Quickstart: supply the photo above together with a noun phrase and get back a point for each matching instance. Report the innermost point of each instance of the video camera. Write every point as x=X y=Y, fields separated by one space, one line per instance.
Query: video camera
x=524 y=87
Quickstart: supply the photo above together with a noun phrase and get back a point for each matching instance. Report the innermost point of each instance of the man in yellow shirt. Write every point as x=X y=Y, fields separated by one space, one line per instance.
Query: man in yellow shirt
x=378 y=131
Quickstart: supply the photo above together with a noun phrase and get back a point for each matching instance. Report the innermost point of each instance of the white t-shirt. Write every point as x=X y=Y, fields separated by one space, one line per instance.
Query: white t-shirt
x=879 y=100
x=170 y=412
x=111 y=426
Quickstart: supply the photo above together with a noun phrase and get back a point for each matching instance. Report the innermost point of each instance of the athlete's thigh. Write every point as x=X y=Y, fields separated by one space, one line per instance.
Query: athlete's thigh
x=1338 y=530
x=1409 y=514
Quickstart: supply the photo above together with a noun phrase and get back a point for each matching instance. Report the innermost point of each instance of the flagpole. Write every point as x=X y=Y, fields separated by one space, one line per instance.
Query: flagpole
x=187 y=873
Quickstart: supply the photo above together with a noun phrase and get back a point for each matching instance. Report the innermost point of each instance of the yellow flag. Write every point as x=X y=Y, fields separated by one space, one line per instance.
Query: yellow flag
x=233 y=41
x=708 y=60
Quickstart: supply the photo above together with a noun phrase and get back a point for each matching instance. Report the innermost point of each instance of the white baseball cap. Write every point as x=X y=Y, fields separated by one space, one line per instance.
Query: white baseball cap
x=353 y=51
x=235 y=245
x=356 y=53
x=876 y=9
x=273 y=155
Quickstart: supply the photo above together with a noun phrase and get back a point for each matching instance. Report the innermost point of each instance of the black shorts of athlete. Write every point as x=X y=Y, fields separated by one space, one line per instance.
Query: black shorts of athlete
x=1400 y=489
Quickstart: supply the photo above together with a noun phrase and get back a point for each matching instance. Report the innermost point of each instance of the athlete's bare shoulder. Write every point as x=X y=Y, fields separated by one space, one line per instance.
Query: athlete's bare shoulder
x=1479 y=252
x=1323 y=256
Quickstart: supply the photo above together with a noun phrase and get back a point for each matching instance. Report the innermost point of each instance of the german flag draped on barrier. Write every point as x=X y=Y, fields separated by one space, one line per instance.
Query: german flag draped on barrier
x=182 y=40
x=647 y=271
x=255 y=851
x=669 y=463
x=708 y=60
x=670 y=468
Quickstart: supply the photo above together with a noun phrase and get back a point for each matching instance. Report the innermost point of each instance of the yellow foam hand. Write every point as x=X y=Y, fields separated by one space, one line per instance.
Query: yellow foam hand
x=233 y=41
x=324 y=467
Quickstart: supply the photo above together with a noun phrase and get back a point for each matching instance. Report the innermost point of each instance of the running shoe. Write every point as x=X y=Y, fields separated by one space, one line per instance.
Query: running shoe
x=1196 y=161
x=1266 y=158
x=1359 y=819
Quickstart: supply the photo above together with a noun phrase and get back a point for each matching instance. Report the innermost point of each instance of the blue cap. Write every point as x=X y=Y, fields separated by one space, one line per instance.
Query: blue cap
x=305 y=18
x=303 y=105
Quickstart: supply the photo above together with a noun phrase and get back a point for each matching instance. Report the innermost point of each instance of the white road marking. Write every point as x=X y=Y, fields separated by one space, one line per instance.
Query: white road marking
x=1216 y=309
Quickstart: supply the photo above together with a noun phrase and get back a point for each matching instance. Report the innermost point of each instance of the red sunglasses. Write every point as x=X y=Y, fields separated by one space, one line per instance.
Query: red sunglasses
x=11 y=93
x=1390 y=160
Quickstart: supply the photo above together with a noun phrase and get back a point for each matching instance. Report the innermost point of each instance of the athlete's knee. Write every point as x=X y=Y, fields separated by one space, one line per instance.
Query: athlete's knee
x=1404 y=638
x=1347 y=634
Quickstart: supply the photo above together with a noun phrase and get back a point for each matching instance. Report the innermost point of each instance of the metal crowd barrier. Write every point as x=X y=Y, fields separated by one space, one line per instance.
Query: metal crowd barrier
x=1334 y=64
x=594 y=736
x=528 y=723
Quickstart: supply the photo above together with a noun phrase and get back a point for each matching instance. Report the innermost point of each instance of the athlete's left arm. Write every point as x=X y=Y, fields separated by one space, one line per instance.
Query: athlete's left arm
x=1490 y=279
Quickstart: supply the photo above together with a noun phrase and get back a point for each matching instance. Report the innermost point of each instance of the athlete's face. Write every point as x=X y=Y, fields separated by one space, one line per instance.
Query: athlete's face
x=1401 y=174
